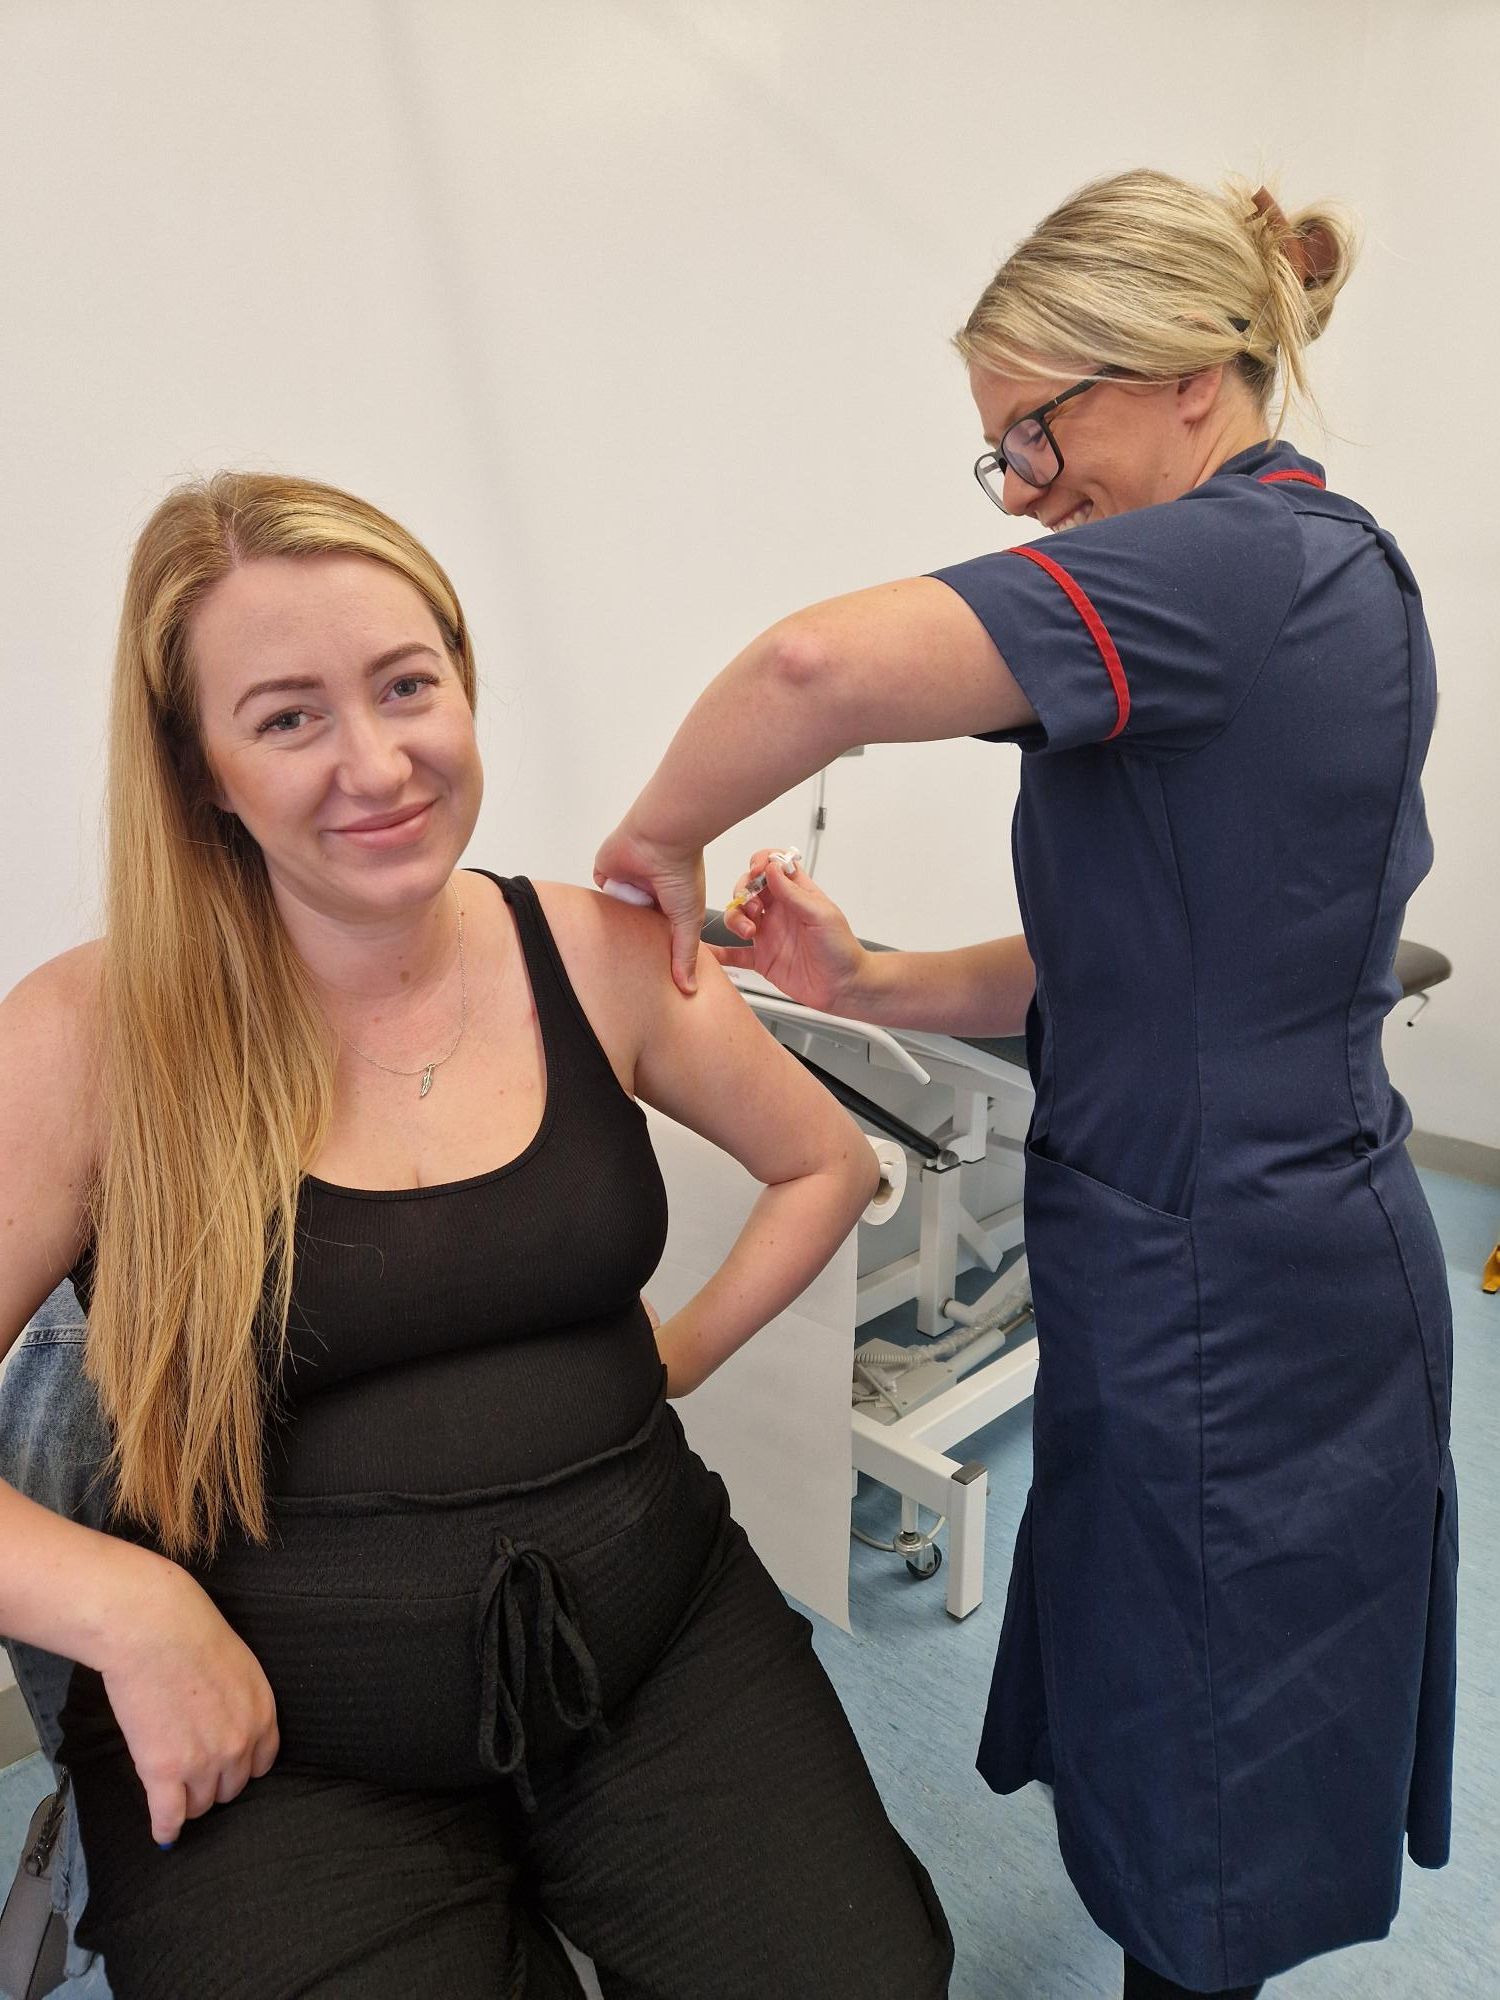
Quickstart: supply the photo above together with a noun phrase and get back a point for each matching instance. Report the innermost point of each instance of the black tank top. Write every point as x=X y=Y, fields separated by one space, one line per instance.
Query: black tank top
x=487 y=1330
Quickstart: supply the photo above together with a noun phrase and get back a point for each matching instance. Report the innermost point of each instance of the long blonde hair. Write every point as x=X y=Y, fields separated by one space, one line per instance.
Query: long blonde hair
x=219 y=1064
x=1149 y=276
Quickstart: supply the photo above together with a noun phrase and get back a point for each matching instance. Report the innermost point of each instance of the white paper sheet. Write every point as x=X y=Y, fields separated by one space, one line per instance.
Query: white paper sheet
x=773 y=1422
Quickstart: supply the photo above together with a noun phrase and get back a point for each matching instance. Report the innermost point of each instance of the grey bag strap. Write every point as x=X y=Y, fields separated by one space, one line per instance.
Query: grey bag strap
x=33 y=1935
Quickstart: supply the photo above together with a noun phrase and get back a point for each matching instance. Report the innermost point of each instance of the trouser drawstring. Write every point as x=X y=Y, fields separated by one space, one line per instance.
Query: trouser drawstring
x=565 y=1667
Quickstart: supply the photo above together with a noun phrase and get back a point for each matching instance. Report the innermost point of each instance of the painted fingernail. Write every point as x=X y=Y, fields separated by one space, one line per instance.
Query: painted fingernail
x=166 y=1846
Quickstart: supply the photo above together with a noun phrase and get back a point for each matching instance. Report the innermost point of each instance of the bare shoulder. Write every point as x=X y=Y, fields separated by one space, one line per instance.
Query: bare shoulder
x=52 y=1125
x=61 y=1000
x=594 y=925
x=50 y=1047
x=618 y=958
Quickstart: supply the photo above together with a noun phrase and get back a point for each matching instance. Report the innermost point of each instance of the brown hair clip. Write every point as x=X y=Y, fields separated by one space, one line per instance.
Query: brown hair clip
x=1313 y=252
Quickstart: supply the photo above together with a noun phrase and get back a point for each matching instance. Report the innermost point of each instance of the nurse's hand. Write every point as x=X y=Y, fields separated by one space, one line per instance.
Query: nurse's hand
x=796 y=937
x=192 y=1702
x=672 y=879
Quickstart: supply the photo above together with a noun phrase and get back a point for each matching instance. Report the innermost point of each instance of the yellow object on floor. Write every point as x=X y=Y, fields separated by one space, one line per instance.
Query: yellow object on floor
x=1491 y=1277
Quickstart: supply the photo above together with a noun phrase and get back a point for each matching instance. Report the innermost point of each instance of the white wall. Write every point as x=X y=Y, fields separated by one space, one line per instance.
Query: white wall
x=637 y=311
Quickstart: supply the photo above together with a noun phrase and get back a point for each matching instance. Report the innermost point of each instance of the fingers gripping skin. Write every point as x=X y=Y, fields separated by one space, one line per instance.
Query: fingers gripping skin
x=673 y=879
x=195 y=1709
x=796 y=936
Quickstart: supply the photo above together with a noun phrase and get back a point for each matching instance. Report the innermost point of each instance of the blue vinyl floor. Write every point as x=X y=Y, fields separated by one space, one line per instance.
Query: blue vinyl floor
x=914 y=1683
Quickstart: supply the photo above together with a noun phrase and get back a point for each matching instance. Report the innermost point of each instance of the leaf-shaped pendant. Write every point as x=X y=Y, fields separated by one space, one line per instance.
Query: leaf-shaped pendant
x=427 y=1079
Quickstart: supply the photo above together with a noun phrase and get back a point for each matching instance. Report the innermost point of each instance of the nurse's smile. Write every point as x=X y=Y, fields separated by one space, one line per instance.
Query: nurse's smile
x=1111 y=446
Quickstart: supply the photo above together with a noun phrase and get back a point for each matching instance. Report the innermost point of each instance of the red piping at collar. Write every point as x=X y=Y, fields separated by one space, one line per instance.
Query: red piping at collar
x=1304 y=478
x=1097 y=631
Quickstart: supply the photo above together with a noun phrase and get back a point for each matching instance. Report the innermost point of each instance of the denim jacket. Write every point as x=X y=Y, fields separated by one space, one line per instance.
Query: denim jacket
x=53 y=1442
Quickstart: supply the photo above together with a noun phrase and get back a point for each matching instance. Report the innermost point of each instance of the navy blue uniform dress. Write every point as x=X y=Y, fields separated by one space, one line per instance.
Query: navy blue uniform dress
x=1229 y=1640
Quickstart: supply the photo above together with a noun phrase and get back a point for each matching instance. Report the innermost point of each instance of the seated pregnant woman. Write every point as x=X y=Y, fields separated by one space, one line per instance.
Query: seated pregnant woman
x=417 y=1623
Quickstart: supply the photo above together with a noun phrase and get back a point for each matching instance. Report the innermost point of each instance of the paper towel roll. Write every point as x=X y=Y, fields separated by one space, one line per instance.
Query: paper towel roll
x=888 y=1195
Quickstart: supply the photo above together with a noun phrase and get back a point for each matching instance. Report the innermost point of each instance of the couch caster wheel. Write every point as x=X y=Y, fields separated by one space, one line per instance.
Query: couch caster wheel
x=925 y=1562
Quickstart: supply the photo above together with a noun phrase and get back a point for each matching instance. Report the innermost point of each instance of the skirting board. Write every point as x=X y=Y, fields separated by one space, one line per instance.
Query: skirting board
x=1464 y=1157
x=17 y=1737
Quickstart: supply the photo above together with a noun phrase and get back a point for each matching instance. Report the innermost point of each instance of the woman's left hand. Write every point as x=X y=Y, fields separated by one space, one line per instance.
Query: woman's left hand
x=673 y=879
x=681 y=1378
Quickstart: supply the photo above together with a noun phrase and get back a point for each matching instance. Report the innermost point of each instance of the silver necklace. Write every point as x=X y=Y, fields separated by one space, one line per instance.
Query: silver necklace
x=425 y=1071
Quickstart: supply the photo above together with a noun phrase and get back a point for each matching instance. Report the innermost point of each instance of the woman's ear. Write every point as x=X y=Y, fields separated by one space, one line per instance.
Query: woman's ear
x=200 y=787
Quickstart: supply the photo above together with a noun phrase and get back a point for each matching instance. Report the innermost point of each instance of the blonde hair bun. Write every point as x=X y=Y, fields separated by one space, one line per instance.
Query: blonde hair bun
x=1147 y=275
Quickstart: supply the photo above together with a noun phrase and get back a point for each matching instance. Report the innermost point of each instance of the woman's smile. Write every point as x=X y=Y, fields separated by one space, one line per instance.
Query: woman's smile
x=393 y=829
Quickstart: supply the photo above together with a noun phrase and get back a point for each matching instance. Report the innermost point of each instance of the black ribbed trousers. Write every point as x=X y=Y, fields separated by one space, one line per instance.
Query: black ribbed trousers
x=584 y=1701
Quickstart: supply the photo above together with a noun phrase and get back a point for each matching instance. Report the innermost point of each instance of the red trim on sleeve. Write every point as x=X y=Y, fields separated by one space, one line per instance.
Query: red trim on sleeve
x=1304 y=478
x=1097 y=630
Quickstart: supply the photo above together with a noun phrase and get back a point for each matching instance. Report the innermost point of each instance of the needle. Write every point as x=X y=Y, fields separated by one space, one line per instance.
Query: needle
x=787 y=856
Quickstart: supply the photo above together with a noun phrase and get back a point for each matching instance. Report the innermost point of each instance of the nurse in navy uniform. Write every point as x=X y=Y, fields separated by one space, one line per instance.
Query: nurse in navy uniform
x=1229 y=1639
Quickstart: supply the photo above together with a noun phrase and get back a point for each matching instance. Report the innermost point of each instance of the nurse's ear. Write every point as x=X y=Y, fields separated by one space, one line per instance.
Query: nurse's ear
x=1197 y=394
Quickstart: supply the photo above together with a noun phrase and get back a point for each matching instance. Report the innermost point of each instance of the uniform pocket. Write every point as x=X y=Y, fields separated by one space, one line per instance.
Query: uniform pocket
x=1117 y=1519
x=1115 y=1287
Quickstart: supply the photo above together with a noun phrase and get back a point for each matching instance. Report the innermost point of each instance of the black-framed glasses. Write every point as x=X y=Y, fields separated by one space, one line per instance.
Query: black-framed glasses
x=1028 y=447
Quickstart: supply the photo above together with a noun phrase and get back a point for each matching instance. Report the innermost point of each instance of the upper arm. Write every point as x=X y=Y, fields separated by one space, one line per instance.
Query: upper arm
x=1147 y=628
x=906 y=662
x=709 y=1063
x=704 y=1060
x=50 y=1129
